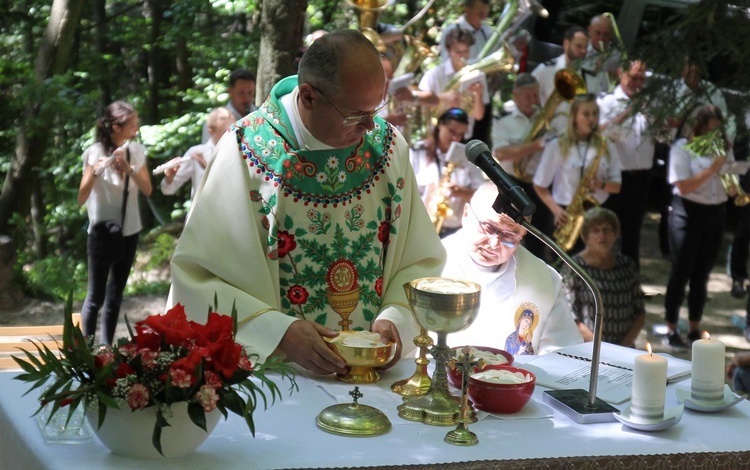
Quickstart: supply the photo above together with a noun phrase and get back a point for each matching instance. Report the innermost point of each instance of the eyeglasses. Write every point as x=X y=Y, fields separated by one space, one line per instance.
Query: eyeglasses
x=507 y=238
x=357 y=118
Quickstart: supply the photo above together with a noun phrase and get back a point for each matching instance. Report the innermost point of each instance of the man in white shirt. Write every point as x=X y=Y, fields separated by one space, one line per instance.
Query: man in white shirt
x=474 y=22
x=692 y=91
x=199 y=155
x=575 y=42
x=523 y=308
x=513 y=148
x=241 y=92
x=628 y=130
x=601 y=63
x=437 y=79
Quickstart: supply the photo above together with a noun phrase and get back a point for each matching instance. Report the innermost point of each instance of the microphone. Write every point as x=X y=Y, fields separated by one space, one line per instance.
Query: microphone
x=479 y=154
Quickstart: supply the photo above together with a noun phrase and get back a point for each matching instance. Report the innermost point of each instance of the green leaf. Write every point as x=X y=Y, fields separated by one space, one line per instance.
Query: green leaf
x=197 y=414
x=161 y=422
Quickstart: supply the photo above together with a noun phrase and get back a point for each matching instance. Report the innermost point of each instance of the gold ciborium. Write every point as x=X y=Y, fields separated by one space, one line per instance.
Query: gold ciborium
x=443 y=306
x=361 y=356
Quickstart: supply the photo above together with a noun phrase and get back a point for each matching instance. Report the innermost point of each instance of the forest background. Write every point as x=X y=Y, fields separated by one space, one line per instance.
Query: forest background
x=63 y=61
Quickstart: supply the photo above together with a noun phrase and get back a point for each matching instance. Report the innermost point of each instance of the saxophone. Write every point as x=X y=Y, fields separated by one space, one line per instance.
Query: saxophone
x=443 y=208
x=566 y=235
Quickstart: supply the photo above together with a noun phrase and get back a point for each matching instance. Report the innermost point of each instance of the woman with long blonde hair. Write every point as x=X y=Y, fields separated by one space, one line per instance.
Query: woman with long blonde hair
x=566 y=159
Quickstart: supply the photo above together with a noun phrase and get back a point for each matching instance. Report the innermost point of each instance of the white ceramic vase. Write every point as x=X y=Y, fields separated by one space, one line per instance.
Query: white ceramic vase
x=128 y=433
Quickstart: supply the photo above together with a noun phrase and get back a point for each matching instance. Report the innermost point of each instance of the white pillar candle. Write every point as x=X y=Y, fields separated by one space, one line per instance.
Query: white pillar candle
x=649 y=387
x=708 y=370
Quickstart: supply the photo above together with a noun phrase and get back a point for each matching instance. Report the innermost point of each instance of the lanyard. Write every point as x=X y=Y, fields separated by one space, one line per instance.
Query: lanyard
x=582 y=156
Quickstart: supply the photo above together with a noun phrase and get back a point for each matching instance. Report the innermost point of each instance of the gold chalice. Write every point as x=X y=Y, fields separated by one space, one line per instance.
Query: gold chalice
x=444 y=306
x=361 y=355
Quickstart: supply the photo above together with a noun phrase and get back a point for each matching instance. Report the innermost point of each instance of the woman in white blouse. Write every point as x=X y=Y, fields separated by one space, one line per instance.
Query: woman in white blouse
x=114 y=172
x=696 y=221
x=566 y=159
x=430 y=159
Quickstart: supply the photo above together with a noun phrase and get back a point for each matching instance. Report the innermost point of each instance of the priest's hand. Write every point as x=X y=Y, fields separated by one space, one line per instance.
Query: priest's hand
x=388 y=333
x=303 y=344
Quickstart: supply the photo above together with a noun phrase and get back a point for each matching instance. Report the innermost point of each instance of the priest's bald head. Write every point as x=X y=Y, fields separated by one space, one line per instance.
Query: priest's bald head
x=341 y=87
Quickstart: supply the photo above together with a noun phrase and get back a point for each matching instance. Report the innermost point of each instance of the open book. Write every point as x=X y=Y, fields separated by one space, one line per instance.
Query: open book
x=570 y=368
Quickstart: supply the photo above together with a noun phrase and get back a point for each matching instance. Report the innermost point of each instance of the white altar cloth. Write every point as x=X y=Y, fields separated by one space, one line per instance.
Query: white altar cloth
x=287 y=436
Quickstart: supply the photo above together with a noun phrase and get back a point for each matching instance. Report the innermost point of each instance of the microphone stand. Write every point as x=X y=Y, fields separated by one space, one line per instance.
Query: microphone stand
x=579 y=405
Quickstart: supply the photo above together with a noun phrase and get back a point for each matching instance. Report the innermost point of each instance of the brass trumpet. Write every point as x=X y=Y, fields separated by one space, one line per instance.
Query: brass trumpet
x=713 y=143
x=731 y=184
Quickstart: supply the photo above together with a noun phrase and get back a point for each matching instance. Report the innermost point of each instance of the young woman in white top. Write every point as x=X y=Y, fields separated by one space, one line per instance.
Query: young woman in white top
x=565 y=161
x=107 y=165
x=429 y=158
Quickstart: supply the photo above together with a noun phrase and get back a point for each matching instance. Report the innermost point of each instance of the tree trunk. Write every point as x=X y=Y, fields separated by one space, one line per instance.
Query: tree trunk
x=184 y=71
x=281 y=38
x=31 y=143
x=100 y=40
x=37 y=219
x=154 y=9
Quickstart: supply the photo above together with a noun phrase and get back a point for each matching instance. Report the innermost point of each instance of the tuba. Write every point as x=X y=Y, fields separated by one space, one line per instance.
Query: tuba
x=408 y=60
x=368 y=11
x=567 y=234
x=568 y=84
x=499 y=61
x=713 y=143
x=367 y=18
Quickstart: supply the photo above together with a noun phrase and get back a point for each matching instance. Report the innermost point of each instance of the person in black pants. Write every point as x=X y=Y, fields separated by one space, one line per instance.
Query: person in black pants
x=628 y=129
x=696 y=223
x=114 y=171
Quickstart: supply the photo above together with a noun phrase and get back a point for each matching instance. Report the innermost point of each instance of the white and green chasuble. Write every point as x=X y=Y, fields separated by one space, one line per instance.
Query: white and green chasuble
x=287 y=233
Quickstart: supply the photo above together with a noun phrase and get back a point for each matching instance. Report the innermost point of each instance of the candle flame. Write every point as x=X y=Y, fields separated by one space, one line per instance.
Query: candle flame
x=648 y=347
x=706 y=335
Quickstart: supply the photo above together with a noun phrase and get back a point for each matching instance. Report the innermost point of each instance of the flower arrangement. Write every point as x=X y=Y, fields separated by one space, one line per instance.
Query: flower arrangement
x=168 y=359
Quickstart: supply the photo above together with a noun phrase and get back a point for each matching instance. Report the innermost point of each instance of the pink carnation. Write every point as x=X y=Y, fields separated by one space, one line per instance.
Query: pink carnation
x=138 y=397
x=104 y=357
x=245 y=363
x=128 y=350
x=148 y=357
x=213 y=379
x=180 y=378
x=207 y=397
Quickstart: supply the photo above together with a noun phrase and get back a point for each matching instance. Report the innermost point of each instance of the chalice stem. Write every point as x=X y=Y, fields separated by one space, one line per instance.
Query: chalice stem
x=419 y=383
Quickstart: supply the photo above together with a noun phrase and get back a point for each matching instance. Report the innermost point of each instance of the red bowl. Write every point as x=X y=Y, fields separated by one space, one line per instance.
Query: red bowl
x=501 y=398
x=455 y=375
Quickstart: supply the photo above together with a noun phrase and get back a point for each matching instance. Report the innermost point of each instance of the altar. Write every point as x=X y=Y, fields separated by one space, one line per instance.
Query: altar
x=287 y=437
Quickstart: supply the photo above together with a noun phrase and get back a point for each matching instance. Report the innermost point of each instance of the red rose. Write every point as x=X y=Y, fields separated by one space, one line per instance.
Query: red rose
x=173 y=326
x=384 y=232
x=123 y=370
x=286 y=243
x=225 y=359
x=297 y=294
x=191 y=362
x=379 y=286
x=216 y=328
